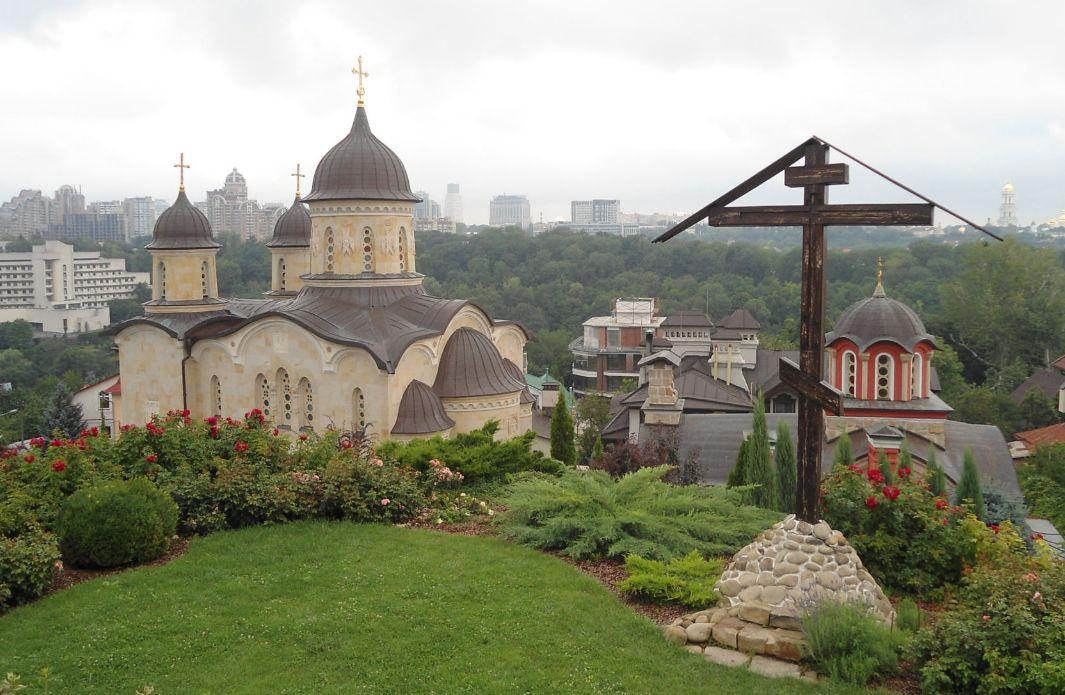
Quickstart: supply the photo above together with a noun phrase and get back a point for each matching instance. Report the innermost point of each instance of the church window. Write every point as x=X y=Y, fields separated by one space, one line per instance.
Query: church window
x=281 y=273
x=885 y=376
x=262 y=390
x=216 y=396
x=203 y=279
x=402 y=250
x=330 y=249
x=367 y=250
x=284 y=397
x=358 y=408
x=917 y=376
x=306 y=394
x=850 y=374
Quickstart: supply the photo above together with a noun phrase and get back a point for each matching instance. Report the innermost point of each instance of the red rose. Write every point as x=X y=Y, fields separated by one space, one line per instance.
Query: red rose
x=875 y=476
x=872 y=502
x=854 y=468
x=212 y=420
x=240 y=447
x=59 y=466
x=303 y=437
x=276 y=431
x=29 y=458
x=214 y=431
x=56 y=442
x=941 y=503
x=151 y=458
x=186 y=413
x=892 y=493
x=993 y=527
x=904 y=472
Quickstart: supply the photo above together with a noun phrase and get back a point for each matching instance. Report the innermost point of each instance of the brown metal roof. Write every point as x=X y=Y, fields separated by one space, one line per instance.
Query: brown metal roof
x=472 y=366
x=688 y=317
x=1049 y=381
x=515 y=373
x=739 y=320
x=293 y=229
x=182 y=226
x=361 y=167
x=421 y=411
x=877 y=319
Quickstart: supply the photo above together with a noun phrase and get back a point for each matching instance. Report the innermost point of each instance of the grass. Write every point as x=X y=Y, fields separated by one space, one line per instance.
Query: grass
x=335 y=607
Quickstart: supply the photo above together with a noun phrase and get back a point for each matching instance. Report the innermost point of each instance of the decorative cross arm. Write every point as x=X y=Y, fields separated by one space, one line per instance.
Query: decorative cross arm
x=820 y=392
x=874 y=214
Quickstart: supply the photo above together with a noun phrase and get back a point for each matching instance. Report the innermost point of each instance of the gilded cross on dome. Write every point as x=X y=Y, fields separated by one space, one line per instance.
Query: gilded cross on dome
x=361 y=91
x=182 y=166
x=298 y=176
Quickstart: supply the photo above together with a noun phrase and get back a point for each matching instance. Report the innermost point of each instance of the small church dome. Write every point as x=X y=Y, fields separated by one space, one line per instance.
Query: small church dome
x=293 y=229
x=361 y=167
x=182 y=226
x=1008 y=188
x=235 y=177
x=421 y=411
x=880 y=318
x=472 y=366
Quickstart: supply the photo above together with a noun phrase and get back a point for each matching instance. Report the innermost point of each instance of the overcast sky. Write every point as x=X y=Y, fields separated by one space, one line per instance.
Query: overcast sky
x=661 y=104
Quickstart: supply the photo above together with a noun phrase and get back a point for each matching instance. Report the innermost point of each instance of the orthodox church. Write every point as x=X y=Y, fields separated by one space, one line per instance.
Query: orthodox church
x=879 y=355
x=346 y=338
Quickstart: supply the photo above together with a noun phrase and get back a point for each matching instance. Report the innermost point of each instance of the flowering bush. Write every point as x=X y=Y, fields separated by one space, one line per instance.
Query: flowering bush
x=1005 y=633
x=27 y=565
x=909 y=539
x=454 y=507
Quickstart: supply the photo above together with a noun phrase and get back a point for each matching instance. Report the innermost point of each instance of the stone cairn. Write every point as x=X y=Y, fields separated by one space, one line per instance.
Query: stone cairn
x=789 y=568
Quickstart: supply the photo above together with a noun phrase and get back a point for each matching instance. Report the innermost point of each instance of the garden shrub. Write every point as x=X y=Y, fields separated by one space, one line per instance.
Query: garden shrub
x=477 y=455
x=908 y=616
x=1004 y=634
x=116 y=523
x=27 y=565
x=846 y=642
x=688 y=580
x=361 y=490
x=590 y=514
x=1043 y=482
x=910 y=540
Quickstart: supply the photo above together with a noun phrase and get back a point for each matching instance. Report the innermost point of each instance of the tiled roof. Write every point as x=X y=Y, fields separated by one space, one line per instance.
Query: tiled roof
x=1053 y=434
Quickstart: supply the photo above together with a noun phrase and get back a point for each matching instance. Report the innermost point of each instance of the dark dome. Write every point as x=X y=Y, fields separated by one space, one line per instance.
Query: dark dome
x=361 y=167
x=880 y=318
x=472 y=366
x=182 y=226
x=293 y=228
x=420 y=411
x=515 y=373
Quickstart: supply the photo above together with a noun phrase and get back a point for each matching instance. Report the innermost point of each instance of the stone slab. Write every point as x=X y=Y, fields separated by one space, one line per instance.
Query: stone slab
x=774 y=668
x=725 y=657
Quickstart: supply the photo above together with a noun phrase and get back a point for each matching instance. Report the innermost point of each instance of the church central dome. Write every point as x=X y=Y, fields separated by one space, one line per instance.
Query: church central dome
x=880 y=318
x=361 y=167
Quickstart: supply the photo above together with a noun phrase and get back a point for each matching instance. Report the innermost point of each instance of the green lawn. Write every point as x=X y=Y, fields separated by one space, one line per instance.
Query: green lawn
x=338 y=607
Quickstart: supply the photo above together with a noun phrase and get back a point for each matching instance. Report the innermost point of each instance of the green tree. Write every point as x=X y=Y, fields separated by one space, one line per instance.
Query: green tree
x=787 y=468
x=983 y=405
x=759 y=464
x=597 y=450
x=905 y=457
x=937 y=478
x=738 y=475
x=20 y=245
x=586 y=444
x=593 y=410
x=563 y=446
x=1037 y=410
x=17 y=334
x=16 y=368
x=885 y=468
x=63 y=414
x=844 y=455
x=968 y=490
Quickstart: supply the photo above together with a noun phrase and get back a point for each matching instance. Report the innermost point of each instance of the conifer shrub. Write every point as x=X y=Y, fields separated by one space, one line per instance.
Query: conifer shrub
x=908 y=616
x=847 y=643
x=688 y=580
x=563 y=439
x=787 y=468
x=759 y=467
x=738 y=475
x=968 y=491
x=116 y=523
x=587 y=514
x=844 y=454
x=937 y=477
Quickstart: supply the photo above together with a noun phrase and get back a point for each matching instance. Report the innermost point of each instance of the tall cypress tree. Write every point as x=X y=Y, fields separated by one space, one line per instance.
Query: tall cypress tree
x=969 y=487
x=759 y=464
x=738 y=475
x=62 y=413
x=787 y=468
x=563 y=444
x=905 y=457
x=844 y=455
x=885 y=468
x=937 y=479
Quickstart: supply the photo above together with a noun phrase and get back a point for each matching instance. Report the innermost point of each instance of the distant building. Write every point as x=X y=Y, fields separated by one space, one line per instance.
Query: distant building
x=140 y=216
x=229 y=209
x=60 y=290
x=617 y=229
x=428 y=217
x=607 y=353
x=1007 y=213
x=90 y=225
x=108 y=207
x=68 y=200
x=453 y=203
x=509 y=210
x=27 y=214
x=596 y=211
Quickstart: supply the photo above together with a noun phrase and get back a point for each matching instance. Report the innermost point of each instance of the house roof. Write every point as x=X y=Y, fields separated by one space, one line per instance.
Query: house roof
x=700 y=392
x=688 y=317
x=740 y=320
x=1059 y=363
x=1053 y=434
x=1049 y=381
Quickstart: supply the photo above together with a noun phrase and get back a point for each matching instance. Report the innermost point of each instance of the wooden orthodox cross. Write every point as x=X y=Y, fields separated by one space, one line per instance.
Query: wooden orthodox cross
x=814 y=177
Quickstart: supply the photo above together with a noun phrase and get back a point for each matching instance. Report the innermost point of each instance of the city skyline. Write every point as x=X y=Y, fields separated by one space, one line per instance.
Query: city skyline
x=569 y=116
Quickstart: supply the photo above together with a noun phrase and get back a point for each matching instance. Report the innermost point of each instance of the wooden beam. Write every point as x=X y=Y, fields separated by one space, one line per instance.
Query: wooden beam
x=825 y=174
x=739 y=191
x=821 y=392
x=879 y=215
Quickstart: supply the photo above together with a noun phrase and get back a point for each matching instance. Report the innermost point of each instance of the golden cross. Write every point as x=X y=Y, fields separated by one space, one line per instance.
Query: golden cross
x=181 y=167
x=879 y=269
x=298 y=176
x=361 y=91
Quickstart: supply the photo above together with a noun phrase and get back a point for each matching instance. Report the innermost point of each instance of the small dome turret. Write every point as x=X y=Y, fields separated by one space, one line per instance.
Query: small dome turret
x=472 y=366
x=880 y=318
x=182 y=226
x=293 y=229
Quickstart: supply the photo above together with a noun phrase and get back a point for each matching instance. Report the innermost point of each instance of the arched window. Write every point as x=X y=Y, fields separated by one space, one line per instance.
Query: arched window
x=306 y=398
x=367 y=250
x=162 y=280
x=358 y=408
x=203 y=280
x=850 y=374
x=330 y=249
x=917 y=376
x=216 y=396
x=885 y=377
x=281 y=273
x=263 y=395
x=284 y=398
x=402 y=250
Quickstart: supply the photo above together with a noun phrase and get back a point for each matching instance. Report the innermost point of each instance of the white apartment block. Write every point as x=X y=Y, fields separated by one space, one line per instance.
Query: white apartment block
x=60 y=290
x=598 y=211
x=509 y=210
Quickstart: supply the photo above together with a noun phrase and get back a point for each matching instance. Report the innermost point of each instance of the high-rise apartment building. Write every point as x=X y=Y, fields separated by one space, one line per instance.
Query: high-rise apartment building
x=509 y=210
x=140 y=215
x=453 y=203
x=27 y=214
x=96 y=226
x=68 y=200
x=598 y=211
x=229 y=209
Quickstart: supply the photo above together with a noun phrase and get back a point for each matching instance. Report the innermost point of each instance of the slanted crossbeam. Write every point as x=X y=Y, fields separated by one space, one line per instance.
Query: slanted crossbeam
x=891 y=214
